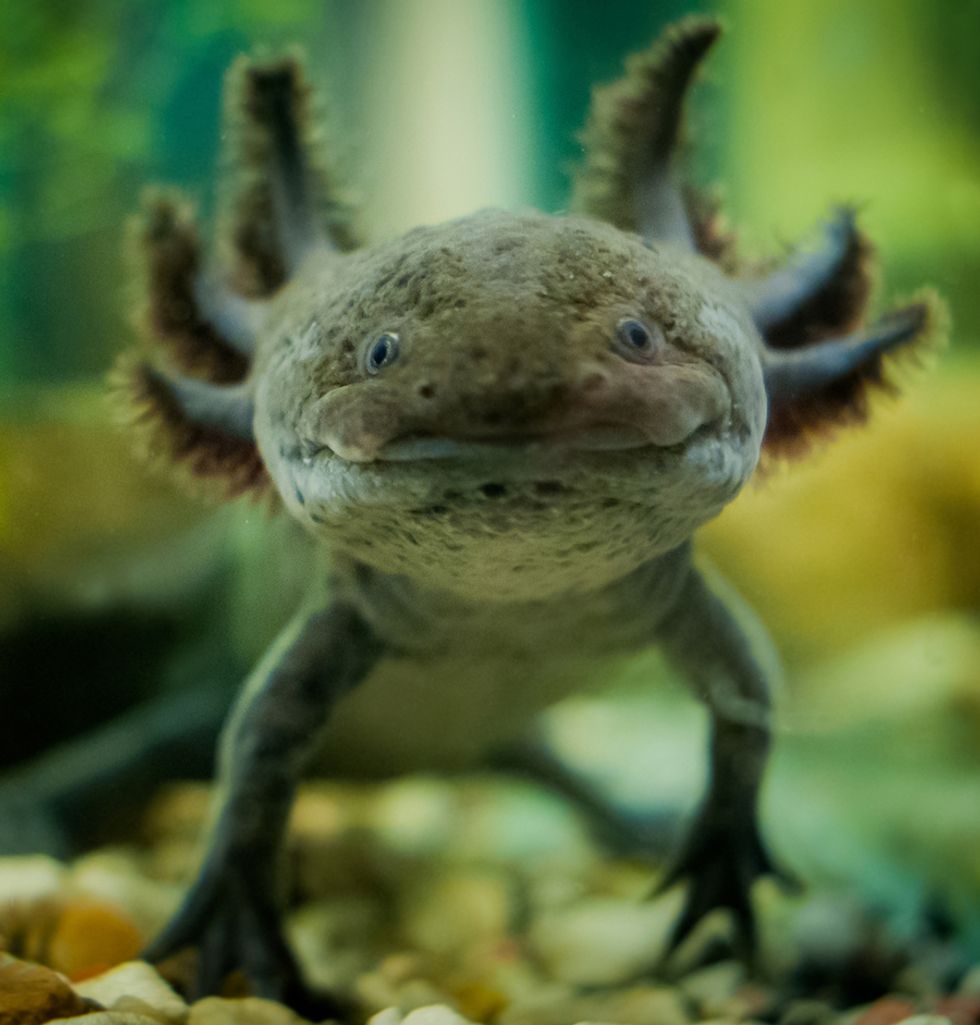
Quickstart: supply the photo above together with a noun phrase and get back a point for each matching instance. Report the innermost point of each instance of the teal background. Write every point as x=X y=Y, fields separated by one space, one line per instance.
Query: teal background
x=804 y=104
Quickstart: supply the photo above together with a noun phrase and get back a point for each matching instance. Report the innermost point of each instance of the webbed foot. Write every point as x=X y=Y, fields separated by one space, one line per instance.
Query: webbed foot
x=722 y=857
x=230 y=915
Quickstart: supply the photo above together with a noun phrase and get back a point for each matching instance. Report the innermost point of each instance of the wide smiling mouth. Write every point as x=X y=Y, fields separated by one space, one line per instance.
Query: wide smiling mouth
x=602 y=438
x=516 y=452
x=434 y=474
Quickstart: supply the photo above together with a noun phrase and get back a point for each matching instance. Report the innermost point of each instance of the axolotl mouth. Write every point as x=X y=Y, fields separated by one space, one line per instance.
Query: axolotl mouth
x=538 y=469
x=525 y=467
x=529 y=471
x=493 y=448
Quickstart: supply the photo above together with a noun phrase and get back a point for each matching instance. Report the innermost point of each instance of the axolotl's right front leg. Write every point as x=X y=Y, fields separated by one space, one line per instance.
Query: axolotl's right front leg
x=232 y=911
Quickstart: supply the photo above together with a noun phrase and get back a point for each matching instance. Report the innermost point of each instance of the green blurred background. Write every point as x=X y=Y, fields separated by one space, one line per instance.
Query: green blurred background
x=865 y=561
x=441 y=106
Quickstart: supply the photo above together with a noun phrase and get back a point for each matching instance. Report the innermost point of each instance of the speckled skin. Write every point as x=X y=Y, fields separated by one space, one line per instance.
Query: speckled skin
x=507 y=324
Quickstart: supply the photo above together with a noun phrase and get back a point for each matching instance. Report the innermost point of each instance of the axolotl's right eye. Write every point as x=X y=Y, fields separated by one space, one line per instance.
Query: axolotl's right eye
x=380 y=352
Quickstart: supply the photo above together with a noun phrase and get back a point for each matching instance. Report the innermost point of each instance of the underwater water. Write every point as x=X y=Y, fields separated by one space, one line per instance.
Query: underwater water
x=131 y=610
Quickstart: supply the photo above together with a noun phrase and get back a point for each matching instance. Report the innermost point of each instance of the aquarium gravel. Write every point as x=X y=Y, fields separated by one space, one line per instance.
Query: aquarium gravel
x=431 y=903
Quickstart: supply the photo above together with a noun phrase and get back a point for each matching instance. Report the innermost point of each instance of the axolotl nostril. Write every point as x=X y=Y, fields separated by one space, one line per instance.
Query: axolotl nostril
x=500 y=434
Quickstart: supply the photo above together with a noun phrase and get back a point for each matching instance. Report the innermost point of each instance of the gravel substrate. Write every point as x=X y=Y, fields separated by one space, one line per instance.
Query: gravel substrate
x=429 y=903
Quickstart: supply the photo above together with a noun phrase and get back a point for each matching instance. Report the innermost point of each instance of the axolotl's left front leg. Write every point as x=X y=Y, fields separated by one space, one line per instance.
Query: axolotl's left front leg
x=724 y=852
x=716 y=646
x=232 y=911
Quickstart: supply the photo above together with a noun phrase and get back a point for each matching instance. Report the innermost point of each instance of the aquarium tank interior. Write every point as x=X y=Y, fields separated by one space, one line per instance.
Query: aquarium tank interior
x=604 y=864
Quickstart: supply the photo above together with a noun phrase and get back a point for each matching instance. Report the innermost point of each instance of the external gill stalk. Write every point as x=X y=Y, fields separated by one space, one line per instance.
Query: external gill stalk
x=276 y=95
x=777 y=298
x=227 y=409
x=632 y=135
x=792 y=375
x=203 y=430
x=203 y=329
x=817 y=387
x=283 y=201
x=235 y=318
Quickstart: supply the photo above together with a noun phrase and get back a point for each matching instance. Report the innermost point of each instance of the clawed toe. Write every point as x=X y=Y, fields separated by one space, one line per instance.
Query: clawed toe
x=235 y=926
x=712 y=888
x=721 y=865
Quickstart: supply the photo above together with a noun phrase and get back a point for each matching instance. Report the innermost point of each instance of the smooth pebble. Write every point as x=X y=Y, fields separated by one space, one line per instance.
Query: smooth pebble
x=601 y=941
x=136 y=986
x=31 y=994
x=245 y=1011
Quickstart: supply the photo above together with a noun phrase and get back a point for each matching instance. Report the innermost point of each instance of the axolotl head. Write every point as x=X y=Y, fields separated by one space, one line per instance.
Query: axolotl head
x=507 y=405
x=510 y=403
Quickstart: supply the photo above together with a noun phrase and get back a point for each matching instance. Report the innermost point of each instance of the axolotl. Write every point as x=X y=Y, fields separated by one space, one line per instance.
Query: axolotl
x=500 y=434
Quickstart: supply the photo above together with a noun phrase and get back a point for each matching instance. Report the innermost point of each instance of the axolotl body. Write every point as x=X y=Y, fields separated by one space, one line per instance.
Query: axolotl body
x=500 y=434
x=500 y=502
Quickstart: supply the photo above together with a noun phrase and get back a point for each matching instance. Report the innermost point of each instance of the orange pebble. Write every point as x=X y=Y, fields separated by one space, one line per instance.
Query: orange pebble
x=91 y=937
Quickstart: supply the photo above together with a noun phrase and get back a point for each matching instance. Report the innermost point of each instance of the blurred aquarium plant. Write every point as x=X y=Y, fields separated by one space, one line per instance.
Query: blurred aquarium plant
x=864 y=563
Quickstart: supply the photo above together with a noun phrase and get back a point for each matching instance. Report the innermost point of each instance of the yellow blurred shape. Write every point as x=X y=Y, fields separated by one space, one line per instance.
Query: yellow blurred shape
x=879 y=526
x=908 y=673
x=73 y=498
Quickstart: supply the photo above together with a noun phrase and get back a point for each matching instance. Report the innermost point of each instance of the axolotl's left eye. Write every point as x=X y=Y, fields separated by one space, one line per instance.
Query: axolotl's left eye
x=637 y=341
x=380 y=351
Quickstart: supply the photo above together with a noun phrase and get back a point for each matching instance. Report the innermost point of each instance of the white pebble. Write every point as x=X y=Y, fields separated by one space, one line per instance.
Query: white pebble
x=336 y=940
x=435 y=1014
x=601 y=941
x=639 y=1005
x=138 y=988
x=29 y=878
x=711 y=987
x=389 y=1016
x=247 y=1011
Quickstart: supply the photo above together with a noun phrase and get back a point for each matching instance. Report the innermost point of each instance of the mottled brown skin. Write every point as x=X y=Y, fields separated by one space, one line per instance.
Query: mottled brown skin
x=499 y=434
x=507 y=325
